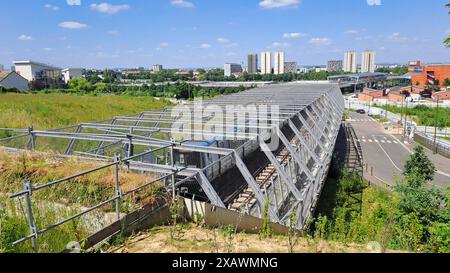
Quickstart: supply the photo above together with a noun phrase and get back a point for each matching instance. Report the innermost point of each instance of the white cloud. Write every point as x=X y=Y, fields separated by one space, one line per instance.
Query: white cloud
x=205 y=46
x=231 y=54
x=351 y=32
x=398 y=37
x=47 y=49
x=232 y=45
x=223 y=40
x=164 y=44
x=24 y=37
x=320 y=41
x=271 y=4
x=73 y=2
x=278 y=45
x=51 y=7
x=108 y=8
x=72 y=25
x=114 y=32
x=374 y=2
x=294 y=35
x=182 y=4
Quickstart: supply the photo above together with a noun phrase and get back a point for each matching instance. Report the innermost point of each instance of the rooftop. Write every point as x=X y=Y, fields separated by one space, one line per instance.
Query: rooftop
x=28 y=62
x=360 y=78
x=4 y=74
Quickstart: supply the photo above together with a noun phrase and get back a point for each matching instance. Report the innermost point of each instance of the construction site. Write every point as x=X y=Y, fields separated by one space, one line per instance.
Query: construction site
x=264 y=150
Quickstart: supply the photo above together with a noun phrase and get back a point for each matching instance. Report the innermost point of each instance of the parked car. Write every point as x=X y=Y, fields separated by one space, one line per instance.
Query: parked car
x=361 y=111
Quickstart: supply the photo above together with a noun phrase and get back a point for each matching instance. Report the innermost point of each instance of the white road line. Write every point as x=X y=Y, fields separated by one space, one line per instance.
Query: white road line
x=392 y=161
x=389 y=142
x=383 y=141
x=363 y=140
x=442 y=173
x=376 y=140
x=370 y=141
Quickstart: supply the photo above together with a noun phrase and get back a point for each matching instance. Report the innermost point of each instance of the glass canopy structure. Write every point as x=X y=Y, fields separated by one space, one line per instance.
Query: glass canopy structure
x=269 y=145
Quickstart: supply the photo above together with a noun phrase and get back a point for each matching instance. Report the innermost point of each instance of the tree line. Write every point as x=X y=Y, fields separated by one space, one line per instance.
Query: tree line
x=179 y=90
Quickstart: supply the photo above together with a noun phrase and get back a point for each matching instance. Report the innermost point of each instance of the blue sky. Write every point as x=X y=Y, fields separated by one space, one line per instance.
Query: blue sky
x=207 y=33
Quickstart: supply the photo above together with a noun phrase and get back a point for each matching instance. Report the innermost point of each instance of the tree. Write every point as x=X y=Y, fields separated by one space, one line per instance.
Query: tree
x=80 y=85
x=447 y=82
x=101 y=87
x=420 y=165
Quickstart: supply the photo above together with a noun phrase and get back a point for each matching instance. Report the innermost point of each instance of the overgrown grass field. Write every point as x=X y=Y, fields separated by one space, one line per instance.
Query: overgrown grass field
x=424 y=115
x=49 y=111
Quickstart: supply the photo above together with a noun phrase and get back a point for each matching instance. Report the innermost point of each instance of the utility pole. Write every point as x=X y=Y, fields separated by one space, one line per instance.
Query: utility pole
x=385 y=107
x=401 y=116
x=406 y=118
x=436 y=126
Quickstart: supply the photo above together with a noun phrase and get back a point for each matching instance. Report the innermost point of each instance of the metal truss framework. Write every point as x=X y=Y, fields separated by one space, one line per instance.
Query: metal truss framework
x=306 y=125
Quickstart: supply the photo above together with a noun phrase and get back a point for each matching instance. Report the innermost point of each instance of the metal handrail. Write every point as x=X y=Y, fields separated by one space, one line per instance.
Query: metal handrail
x=28 y=190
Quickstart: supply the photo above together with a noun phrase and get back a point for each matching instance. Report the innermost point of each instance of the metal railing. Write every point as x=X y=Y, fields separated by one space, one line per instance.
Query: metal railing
x=436 y=145
x=29 y=189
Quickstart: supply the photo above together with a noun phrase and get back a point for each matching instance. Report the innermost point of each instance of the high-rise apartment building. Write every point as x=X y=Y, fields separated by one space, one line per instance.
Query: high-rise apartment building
x=266 y=63
x=368 y=62
x=350 y=62
x=290 y=67
x=279 y=63
x=252 y=64
x=333 y=66
x=157 y=68
x=231 y=69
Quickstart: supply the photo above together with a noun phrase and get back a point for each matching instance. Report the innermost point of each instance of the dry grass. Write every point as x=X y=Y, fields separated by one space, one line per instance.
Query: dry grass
x=203 y=240
x=85 y=190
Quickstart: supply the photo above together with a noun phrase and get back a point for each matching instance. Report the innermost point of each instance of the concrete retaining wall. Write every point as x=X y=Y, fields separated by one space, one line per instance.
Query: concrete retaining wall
x=217 y=217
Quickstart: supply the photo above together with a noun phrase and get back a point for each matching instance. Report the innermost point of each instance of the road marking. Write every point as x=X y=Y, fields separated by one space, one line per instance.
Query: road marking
x=370 y=141
x=383 y=141
x=442 y=173
x=392 y=161
x=376 y=140
x=389 y=142
x=363 y=140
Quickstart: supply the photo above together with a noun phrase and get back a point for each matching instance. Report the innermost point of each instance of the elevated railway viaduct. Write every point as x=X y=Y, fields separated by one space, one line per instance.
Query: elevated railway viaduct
x=269 y=146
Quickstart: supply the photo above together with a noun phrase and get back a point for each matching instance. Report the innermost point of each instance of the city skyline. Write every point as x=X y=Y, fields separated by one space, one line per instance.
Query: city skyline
x=201 y=33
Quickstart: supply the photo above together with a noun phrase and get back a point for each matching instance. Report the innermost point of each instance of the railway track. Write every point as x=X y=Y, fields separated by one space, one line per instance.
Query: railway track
x=246 y=199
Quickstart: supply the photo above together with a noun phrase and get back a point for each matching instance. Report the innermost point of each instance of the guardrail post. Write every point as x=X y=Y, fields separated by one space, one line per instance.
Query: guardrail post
x=32 y=143
x=118 y=192
x=130 y=151
x=29 y=211
x=172 y=162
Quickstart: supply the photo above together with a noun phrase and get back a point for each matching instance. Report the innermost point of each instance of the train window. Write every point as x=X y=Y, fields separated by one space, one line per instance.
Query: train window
x=181 y=158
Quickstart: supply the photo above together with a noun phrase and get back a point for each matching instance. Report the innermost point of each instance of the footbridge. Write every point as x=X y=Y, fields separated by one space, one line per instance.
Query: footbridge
x=262 y=151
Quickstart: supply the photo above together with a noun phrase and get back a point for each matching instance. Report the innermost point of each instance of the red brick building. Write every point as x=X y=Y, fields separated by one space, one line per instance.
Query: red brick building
x=369 y=95
x=444 y=95
x=394 y=96
x=431 y=75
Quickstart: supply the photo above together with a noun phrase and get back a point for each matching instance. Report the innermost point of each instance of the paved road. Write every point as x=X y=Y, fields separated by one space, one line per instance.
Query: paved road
x=387 y=154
